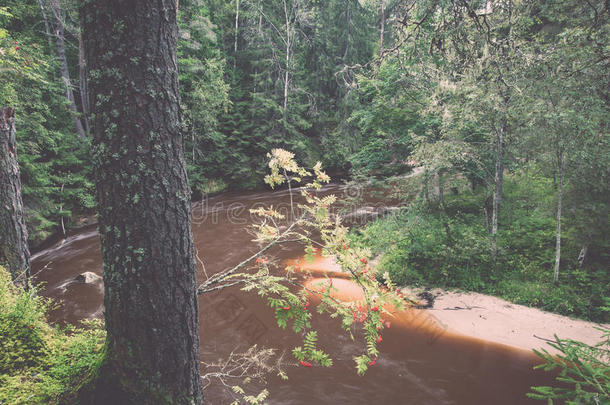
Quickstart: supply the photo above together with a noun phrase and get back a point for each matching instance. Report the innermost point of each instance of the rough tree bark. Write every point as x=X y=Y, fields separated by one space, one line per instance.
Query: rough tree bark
x=152 y=345
x=14 y=251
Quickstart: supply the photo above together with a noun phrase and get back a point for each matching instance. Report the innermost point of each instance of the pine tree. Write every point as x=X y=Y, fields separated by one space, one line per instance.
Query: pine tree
x=152 y=347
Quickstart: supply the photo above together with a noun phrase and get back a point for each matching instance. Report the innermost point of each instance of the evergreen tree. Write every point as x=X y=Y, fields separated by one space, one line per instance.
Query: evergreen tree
x=152 y=344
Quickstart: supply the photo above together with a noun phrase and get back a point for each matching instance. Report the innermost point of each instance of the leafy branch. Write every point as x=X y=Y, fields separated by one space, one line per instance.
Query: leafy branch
x=322 y=234
x=584 y=372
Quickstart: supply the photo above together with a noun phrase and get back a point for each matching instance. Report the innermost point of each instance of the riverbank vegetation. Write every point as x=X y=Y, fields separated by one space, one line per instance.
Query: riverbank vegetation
x=502 y=106
x=40 y=363
x=583 y=368
x=428 y=244
x=366 y=87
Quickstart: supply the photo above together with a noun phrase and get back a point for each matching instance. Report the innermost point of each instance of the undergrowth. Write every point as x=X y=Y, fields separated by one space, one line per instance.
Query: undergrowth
x=40 y=363
x=447 y=245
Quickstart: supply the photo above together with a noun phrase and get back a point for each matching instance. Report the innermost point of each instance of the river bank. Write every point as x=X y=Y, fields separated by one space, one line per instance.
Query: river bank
x=476 y=315
x=497 y=320
x=418 y=363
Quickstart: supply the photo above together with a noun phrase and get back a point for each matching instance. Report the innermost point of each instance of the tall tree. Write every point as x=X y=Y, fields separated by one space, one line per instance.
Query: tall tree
x=14 y=251
x=59 y=34
x=472 y=50
x=144 y=204
x=568 y=101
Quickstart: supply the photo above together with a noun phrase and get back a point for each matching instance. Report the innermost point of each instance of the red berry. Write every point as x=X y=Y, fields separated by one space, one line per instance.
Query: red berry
x=305 y=363
x=379 y=339
x=372 y=363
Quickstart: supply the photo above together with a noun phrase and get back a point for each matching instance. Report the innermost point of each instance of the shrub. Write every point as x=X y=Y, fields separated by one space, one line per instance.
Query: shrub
x=39 y=363
x=449 y=246
x=22 y=331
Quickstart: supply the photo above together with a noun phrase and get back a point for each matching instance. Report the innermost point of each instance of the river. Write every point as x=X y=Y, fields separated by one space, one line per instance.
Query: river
x=420 y=363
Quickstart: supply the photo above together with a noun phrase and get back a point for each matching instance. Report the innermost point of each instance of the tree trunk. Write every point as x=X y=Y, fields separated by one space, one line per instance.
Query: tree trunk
x=236 y=33
x=559 y=207
x=61 y=211
x=382 y=30
x=14 y=251
x=425 y=186
x=441 y=188
x=236 y=25
x=63 y=66
x=348 y=20
x=144 y=205
x=288 y=44
x=82 y=81
x=488 y=212
x=582 y=255
x=497 y=196
x=47 y=26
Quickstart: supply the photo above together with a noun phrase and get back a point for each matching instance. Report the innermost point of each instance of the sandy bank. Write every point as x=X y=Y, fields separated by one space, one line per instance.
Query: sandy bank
x=476 y=315
x=494 y=319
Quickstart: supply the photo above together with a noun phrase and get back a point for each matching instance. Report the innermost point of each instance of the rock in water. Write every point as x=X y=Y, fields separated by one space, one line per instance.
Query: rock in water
x=88 y=277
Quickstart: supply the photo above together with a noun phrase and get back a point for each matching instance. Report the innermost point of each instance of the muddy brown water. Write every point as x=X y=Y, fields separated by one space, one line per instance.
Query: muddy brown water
x=420 y=363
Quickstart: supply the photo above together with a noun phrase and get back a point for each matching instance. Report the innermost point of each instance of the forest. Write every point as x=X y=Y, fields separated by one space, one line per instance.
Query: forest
x=484 y=125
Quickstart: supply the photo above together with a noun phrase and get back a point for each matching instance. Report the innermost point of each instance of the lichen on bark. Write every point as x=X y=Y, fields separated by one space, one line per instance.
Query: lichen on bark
x=143 y=202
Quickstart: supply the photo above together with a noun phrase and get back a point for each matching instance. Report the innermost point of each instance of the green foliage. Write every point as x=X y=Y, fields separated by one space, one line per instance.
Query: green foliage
x=40 y=364
x=583 y=372
x=379 y=293
x=22 y=329
x=449 y=246
x=205 y=96
x=385 y=117
x=54 y=161
x=310 y=353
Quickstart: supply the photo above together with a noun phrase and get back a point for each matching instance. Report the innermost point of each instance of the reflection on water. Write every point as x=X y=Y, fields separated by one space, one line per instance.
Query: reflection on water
x=420 y=361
